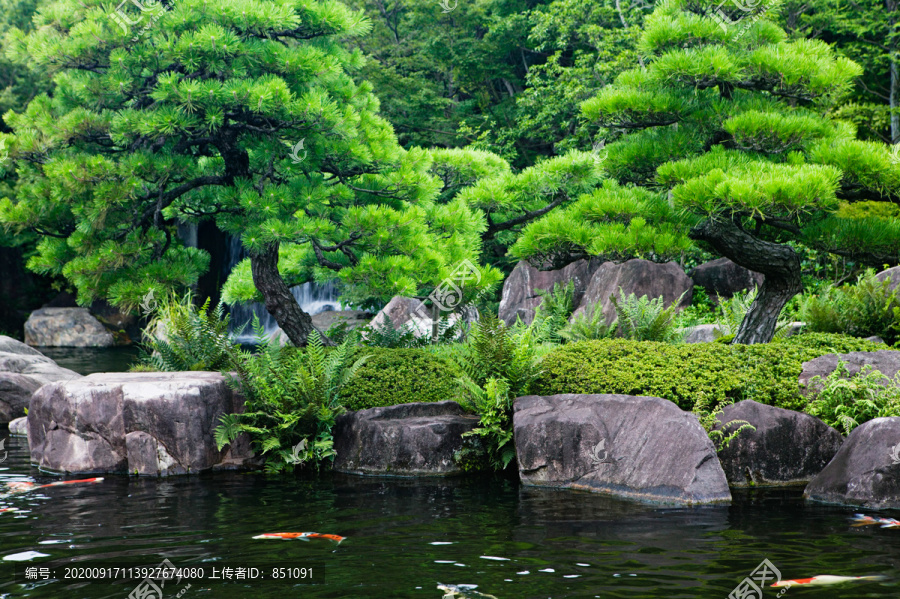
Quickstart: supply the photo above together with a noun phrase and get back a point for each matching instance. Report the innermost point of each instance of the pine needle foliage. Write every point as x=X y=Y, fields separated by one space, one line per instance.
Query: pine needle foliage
x=182 y=337
x=292 y=400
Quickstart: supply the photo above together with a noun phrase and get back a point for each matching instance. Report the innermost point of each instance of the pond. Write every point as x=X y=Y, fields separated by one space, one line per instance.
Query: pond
x=403 y=537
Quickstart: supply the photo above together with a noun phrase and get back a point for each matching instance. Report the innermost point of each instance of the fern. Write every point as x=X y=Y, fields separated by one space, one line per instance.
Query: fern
x=733 y=310
x=844 y=401
x=552 y=314
x=644 y=319
x=868 y=308
x=709 y=417
x=291 y=399
x=590 y=324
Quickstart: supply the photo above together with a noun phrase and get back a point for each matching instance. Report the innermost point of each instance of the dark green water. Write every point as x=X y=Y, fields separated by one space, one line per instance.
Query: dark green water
x=88 y=360
x=404 y=537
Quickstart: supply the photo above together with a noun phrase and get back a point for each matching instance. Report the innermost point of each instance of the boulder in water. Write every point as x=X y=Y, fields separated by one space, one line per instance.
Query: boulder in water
x=66 y=327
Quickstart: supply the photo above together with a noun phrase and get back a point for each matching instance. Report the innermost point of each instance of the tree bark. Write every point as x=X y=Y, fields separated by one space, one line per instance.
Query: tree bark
x=779 y=264
x=279 y=300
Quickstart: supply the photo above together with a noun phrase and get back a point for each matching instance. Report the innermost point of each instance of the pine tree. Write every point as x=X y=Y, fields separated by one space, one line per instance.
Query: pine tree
x=241 y=111
x=721 y=140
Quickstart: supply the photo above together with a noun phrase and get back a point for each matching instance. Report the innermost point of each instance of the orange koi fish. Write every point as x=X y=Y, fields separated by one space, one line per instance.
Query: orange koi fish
x=303 y=536
x=863 y=520
x=21 y=486
x=826 y=579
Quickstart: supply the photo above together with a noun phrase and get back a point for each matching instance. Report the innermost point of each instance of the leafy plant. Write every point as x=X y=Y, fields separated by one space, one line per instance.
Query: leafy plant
x=552 y=314
x=492 y=401
x=590 y=324
x=644 y=319
x=844 y=401
x=387 y=334
x=291 y=399
x=868 y=308
x=182 y=337
x=721 y=434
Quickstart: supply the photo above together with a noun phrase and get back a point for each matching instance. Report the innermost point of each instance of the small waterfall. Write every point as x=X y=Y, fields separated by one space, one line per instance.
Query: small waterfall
x=312 y=297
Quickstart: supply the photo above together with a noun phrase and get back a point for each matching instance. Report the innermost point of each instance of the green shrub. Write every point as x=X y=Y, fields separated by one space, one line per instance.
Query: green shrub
x=182 y=337
x=862 y=310
x=396 y=376
x=291 y=399
x=845 y=401
x=712 y=373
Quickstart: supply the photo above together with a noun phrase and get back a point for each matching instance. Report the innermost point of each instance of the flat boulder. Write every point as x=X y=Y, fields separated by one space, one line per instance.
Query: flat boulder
x=786 y=447
x=157 y=423
x=640 y=277
x=866 y=470
x=23 y=370
x=723 y=278
x=520 y=289
x=414 y=439
x=885 y=361
x=66 y=327
x=642 y=448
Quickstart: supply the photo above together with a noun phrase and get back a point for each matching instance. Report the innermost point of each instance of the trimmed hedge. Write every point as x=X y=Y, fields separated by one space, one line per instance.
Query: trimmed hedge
x=395 y=376
x=767 y=373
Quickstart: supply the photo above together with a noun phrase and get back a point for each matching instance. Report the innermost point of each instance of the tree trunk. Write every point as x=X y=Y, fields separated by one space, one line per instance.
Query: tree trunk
x=779 y=263
x=280 y=302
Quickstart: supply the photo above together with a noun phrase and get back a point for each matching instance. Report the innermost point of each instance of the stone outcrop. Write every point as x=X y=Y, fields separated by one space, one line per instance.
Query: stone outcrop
x=704 y=333
x=415 y=439
x=786 y=447
x=885 y=361
x=23 y=370
x=640 y=277
x=19 y=427
x=144 y=423
x=866 y=470
x=520 y=289
x=643 y=448
x=404 y=311
x=723 y=278
x=66 y=327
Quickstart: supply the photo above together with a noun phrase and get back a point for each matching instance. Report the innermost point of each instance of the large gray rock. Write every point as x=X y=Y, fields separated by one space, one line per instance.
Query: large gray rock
x=145 y=423
x=19 y=427
x=704 y=333
x=22 y=372
x=885 y=361
x=893 y=274
x=643 y=448
x=351 y=318
x=414 y=439
x=866 y=470
x=66 y=327
x=787 y=447
x=640 y=277
x=404 y=311
x=723 y=278
x=520 y=297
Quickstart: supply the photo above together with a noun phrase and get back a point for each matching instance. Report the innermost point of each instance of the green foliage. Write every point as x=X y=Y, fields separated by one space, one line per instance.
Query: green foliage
x=867 y=308
x=710 y=373
x=182 y=337
x=291 y=400
x=645 y=319
x=588 y=325
x=387 y=335
x=494 y=433
x=732 y=312
x=710 y=419
x=395 y=376
x=844 y=401
x=551 y=316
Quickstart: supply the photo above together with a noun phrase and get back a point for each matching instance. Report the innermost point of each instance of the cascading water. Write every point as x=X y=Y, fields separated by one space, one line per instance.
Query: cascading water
x=312 y=297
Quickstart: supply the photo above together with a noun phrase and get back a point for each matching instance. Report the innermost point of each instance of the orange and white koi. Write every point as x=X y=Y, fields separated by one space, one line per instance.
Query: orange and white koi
x=863 y=520
x=302 y=536
x=22 y=486
x=825 y=579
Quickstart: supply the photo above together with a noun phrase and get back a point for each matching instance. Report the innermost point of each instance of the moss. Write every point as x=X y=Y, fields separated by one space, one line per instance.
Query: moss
x=685 y=373
x=395 y=376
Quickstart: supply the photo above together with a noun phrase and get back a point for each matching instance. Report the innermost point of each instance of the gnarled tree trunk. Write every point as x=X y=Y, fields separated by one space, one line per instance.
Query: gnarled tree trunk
x=779 y=263
x=280 y=302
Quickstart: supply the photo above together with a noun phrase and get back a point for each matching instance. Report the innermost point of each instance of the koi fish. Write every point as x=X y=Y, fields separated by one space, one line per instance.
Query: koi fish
x=462 y=591
x=825 y=579
x=863 y=520
x=303 y=536
x=7 y=509
x=21 y=486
